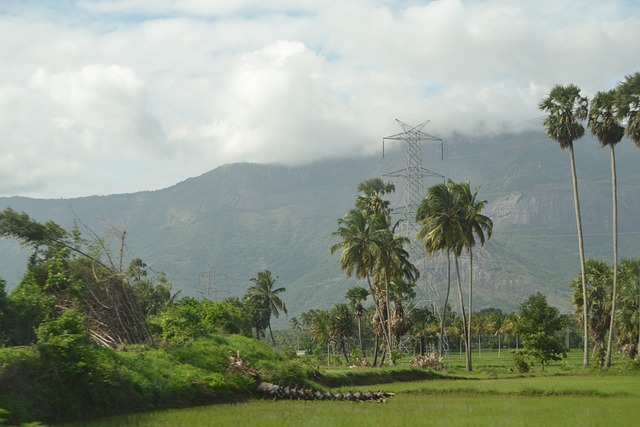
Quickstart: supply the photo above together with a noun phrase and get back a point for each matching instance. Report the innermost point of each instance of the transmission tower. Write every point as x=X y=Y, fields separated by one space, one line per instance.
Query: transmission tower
x=208 y=278
x=413 y=175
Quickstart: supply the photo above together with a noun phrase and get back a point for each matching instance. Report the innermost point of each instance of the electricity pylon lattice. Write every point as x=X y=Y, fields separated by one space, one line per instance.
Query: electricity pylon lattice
x=413 y=175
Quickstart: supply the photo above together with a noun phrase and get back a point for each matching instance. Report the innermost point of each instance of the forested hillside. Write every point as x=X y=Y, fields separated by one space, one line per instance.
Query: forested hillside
x=211 y=234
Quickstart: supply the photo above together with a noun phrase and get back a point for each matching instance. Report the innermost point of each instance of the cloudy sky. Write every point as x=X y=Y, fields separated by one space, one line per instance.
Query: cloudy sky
x=104 y=97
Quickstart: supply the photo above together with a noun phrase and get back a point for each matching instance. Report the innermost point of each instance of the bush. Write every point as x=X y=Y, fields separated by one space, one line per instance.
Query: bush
x=519 y=359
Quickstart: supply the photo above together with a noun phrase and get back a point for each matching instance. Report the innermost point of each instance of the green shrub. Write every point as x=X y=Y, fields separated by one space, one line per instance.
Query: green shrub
x=520 y=361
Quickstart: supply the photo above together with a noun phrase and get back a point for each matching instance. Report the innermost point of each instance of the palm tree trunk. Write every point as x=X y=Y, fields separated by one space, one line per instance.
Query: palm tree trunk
x=585 y=303
x=271 y=334
x=377 y=348
x=614 y=192
x=465 y=329
x=390 y=338
x=379 y=311
x=360 y=337
x=443 y=316
x=328 y=353
x=344 y=351
x=469 y=364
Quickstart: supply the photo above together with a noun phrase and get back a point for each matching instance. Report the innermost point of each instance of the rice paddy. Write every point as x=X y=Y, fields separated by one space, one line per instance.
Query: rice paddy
x=493 y=396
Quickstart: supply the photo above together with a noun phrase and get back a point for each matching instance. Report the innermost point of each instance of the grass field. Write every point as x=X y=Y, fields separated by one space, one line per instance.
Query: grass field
x=493 y=395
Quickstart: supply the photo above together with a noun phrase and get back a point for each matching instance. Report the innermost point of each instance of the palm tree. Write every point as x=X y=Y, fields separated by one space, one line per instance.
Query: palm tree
x=505 y=325
x=424 y=325
x=440 y=229
x=341 y=327
x=475 y=225
x=393 y=265
x=263 y=295
x=599 y=299
x=566 y=108
x=604 y=123
x=372 y=250
x=371 y=200
x=356 y=296
x=628 y=324
x=360 y=245
x=628 y=106
x=401 y=292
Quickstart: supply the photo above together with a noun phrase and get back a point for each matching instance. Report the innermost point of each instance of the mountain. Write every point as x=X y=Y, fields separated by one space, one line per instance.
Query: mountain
x=211 y=234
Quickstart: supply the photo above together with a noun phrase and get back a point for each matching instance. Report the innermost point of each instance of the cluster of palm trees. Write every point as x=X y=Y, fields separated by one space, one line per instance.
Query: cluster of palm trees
x=451 y=221
x=372 y=250
x=600 y=278
x=612 y=114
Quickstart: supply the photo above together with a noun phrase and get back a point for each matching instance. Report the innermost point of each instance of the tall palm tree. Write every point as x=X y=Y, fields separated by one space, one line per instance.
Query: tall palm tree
x=356 y=296
x=475 y=226
x=393 y=264
x=359 y=233
x=604 y=124
x=628 y=106
x=566 y=108
x=440 y=230
x=263 y=294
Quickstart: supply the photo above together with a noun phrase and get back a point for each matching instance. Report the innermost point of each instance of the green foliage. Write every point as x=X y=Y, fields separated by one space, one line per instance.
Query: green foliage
x=190 y=319
x=628 y=309
x=29 y=305
x=566 y=108
x=262 y=302
x=628 y=105
x=66 y=377
x=538 y=325
x=599 y=289
x=29 y=232
x=4 y=314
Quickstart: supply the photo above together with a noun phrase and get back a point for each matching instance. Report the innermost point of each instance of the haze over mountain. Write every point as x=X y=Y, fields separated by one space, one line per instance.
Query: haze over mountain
x=212 y=233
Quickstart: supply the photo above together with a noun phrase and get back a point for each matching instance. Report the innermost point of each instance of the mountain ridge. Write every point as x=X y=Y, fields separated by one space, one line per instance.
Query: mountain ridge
x=210 y=234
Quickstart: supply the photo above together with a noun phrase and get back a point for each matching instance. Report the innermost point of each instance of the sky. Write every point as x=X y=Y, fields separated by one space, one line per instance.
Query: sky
x=120 y=96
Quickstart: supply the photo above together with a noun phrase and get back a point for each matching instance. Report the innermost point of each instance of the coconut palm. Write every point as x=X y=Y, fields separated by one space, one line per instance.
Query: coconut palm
x=371 y=249
x=504 y=325
x=263 y=295
x=475 y=226
x=360 y=235
x=356 y=296
x=402 y=292
x=604 y=124
x=566 y=108
x=341 y=327
x=441 y=230
x=628 y=106
x=393 y=264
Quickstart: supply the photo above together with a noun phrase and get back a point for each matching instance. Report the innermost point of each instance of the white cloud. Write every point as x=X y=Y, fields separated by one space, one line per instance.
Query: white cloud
x=128 y=95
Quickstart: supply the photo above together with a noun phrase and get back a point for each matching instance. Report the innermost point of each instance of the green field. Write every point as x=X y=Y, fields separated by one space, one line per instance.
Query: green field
x=494 y=395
